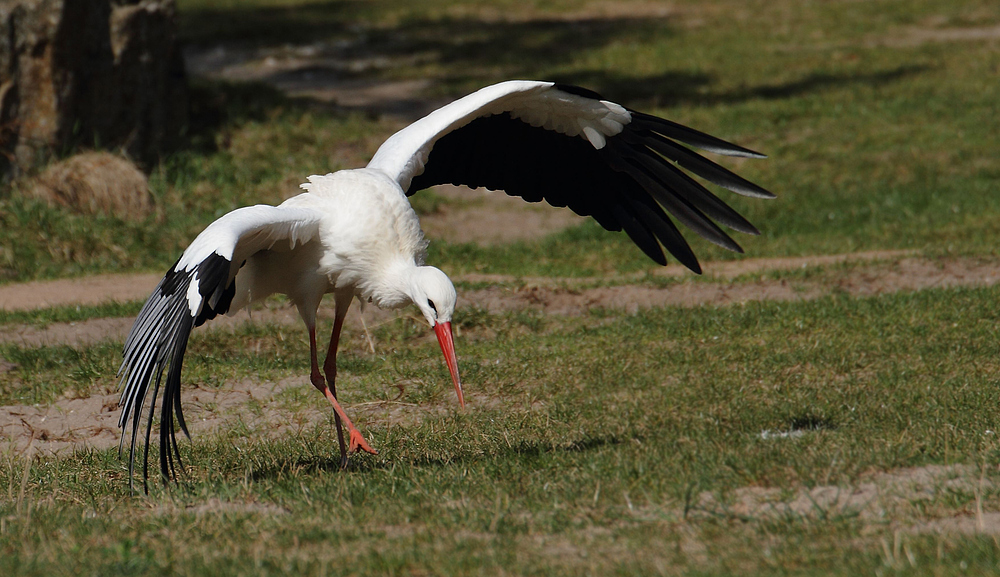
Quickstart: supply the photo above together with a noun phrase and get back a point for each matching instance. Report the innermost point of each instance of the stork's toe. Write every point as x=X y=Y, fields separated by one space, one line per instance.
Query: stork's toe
x=358 y=443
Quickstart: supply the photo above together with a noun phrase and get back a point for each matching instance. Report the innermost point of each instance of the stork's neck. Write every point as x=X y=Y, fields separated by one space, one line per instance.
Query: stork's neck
x=392 y=285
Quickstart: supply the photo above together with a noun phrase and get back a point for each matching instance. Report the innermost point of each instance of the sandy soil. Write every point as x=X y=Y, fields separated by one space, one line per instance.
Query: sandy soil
x=70 y=424
x=932 y=33
x=122 y=288
x=902 y=493
x=92 y=290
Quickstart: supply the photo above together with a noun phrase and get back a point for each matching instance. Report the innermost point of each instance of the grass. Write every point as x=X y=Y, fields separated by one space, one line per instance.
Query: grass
x=591 y=442
x=568 y=457
x=69 y=314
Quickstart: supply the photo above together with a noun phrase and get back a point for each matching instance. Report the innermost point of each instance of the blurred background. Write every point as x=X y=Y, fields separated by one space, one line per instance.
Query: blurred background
x=879 y=117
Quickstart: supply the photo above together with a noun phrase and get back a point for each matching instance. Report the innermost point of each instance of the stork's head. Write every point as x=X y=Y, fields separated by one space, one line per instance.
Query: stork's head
x=431 y=290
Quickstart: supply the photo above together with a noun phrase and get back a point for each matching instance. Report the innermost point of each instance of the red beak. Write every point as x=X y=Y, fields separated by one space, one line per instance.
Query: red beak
x=447 y=342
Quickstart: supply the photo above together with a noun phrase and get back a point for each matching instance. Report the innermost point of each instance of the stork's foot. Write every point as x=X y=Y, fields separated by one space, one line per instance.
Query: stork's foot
x=358 y=443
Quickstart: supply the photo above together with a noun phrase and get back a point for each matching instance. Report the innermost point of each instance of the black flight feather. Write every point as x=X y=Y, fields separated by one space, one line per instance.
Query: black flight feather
x=158 y=340
x=624 y=185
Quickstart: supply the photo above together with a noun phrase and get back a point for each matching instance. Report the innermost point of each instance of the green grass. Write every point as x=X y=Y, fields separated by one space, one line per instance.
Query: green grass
x=570 y=455
x=42 y=374
x=589 y=439
x=69 y=313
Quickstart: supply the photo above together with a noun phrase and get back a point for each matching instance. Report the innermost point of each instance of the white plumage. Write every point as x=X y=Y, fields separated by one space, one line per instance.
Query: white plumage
x=353 y=233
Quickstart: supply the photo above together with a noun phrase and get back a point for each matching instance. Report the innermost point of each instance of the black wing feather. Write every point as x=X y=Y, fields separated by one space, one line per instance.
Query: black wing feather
x=687 y=135
x=622 y=185
x=158 y=339
x=639 y=232
x=672 y=178
x=653 y=216
x=704 y=168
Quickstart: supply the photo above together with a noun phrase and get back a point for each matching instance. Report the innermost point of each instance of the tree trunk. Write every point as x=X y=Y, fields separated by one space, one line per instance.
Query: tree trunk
x=88 y=73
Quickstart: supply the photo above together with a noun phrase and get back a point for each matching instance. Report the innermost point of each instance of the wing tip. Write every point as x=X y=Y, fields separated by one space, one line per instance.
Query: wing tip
x=747 y=153
x=696 y=268
x=755 y=192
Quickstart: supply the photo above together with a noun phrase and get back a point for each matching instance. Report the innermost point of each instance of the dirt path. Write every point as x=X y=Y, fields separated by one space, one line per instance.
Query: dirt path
x=864 y=274
x=477 y=216
x=93 y=290
x=100 y=289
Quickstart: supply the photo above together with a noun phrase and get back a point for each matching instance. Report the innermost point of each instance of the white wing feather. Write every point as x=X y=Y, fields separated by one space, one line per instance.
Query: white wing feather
x=243 y=232
x=250 y=229
x=540 y=104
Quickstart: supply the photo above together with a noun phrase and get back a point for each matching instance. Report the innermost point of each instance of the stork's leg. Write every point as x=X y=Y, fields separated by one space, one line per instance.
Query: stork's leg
x=330 y=370
x=357 y=441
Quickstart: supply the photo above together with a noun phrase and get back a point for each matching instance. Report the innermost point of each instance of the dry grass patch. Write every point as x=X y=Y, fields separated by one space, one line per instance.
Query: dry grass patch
x=95 y=183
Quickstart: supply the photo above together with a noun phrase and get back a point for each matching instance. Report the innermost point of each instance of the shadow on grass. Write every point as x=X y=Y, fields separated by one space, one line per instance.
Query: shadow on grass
x=253 y=26
x=810 y=422
x=457 y=55
x=216 y=107
x=675 y=89
x=330 y=44
x=352 y=29
x=523 y=450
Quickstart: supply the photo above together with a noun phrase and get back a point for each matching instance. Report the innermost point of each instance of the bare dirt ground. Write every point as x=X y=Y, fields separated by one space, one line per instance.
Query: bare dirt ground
x=862 y=274
x=898 y=494
x=936 y=32
x=93 y=421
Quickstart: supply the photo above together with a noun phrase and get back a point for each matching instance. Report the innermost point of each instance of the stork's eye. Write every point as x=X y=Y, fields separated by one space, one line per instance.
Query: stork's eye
x=430 y=303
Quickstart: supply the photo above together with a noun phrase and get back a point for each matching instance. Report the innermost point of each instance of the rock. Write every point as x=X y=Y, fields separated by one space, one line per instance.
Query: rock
x=80 y=72
x=96 y=183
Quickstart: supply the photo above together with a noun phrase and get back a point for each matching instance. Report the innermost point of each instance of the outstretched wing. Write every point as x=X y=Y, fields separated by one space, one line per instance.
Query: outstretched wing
x=198 y=287
x=564 y=144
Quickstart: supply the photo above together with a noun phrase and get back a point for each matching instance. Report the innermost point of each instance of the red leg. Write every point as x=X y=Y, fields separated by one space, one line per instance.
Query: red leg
x=330 y=370
x=357 y=441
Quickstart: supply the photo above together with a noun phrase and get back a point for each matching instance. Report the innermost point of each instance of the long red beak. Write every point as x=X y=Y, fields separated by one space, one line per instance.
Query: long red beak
x=447 y=342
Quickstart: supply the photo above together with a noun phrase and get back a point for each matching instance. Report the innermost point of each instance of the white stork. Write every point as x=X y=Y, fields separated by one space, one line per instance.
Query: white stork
x=352 y=233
